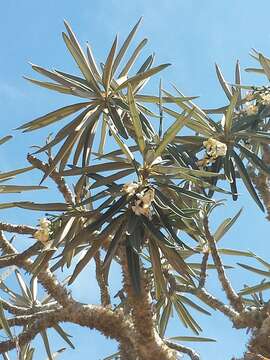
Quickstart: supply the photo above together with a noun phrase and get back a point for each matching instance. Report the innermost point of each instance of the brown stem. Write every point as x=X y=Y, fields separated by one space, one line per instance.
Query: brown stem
x=183 y=349
x=19 y=229
x=210 y=300
x=203 y=269
x=147 y=337
x=232 y=296
x=104 y=289
x=108 y=322
x=55 y=176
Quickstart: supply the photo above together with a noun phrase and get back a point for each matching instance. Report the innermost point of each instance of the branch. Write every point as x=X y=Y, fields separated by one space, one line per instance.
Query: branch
x=110 y=323
x=203 y=269
x=183 y=349
x=18 y=310
x=55 y=176
x=19 y=229
x=210 y=300
x=232 y=296
x=104 y=290
x=45 y=277
x=150 y=345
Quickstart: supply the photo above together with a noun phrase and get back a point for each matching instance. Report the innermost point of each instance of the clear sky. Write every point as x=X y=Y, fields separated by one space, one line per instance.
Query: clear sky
x=192 y=35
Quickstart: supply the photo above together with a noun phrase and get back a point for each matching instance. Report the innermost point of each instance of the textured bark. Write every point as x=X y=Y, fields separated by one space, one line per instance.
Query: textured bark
x=149 y=345
x=232 y=296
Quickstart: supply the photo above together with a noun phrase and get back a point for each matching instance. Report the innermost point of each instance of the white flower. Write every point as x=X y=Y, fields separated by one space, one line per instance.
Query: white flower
x=251 y=110
x=44 y=223
x=143 y=204
x=215 y=148
x=265 y=99
x=130 y=188
x=43 y=233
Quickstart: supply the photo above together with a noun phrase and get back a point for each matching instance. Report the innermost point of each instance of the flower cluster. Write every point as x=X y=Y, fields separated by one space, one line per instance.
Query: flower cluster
x=143 y=203
x=215 y=148
x=130 y=188
x=43 y=233
x=251 y=109
x=265 y=98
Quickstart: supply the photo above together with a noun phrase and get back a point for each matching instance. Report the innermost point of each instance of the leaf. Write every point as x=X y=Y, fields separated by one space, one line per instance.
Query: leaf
x=185 y=316
x=125 y=46
x=238 y=79
x=78 y=55
x=257 y=71
x=254 y=289
x=106 y=216
x=254 y=159
x=52 y=117
x=191 y=338
x=5 y=139
x=112 y=250
x=245 y=177
x=189 y=193
x=226 y=165
x=235 y=252
x=109 y=166
x=134 y=232
x=45 y=339
x=265 y=65
x=109 y=180
x=147 y=64
x=122 y=145
x=133 y=262
x=24 y=289
x=168 y=227
x=116 y=119
x=233 y=184
x=95 y=246
x=255 y=270
x=64 y=335
x=172 y=132
x=132 y=59
x=34 y=288
x=225 y=226
x=168 y=249
x=263 y=262
x=102 y=135
x=169 y=203
x=107 y=72
x=160 y=285
x=42 y=207
x=113 y=356
x=136 y=120
x=92 y=64
x=165 y=318
x=4 y=323
x=189 y=302
x=51 y=86
x=223 y=83
x=141 y=76
x=230 y=112
x=19 y=188
x=12 y=173
x=41 y=261
x=62 y=153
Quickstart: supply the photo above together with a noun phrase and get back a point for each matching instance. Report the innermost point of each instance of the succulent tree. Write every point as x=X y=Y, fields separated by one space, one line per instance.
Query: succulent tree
x=147 y=171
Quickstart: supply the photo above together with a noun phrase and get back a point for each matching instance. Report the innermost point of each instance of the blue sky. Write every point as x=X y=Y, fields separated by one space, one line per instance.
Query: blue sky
x=192 y=35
